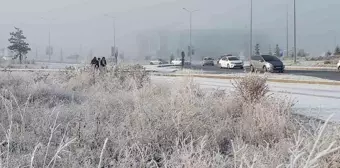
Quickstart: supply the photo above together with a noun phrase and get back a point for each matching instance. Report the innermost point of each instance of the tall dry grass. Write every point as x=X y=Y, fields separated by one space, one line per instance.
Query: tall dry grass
x=121 y=119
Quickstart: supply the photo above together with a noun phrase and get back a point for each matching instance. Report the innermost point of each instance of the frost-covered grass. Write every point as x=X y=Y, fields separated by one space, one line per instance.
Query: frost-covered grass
x=120 y=119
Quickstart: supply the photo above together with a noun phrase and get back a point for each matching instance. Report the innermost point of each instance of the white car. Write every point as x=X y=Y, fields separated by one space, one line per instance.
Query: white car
x=178 y=61
x=338 y=65
x=231 y=62
x=207 y=61
x=158 y=62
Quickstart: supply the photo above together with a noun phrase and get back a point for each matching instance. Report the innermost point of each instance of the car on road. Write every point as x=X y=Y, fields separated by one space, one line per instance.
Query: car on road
x=338 y=66
x=158 y=62
x=178 y=61
x=207 y=61
x=223 y=56
x=231 y=62
x=266 y=63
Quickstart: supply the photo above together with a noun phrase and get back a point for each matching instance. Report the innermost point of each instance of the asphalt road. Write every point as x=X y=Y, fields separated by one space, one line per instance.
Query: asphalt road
x=330 y=75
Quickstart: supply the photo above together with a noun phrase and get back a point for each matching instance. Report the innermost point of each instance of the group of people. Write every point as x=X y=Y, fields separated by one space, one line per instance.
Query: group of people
x=98 y=63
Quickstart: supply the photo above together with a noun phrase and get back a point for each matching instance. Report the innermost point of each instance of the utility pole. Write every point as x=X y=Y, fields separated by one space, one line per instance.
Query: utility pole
x=287 y=35
x=36 y=53
x=49 y=44
x=80 y=52
x=114 y=35
x=61 y=56
x=190 y=20
x=251 y=30
x=49 y=50
x=295 y=31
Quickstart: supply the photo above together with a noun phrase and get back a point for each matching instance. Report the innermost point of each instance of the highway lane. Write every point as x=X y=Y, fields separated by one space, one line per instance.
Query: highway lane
x=330 y=75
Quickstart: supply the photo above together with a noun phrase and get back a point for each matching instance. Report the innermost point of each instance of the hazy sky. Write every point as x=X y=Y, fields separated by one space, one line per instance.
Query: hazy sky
x=82 y=24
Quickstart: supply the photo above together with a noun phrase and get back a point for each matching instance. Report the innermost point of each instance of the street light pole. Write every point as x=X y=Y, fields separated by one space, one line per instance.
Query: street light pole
x=295 y=31
x=287 y=35
x=49 y=39
x=114 y=33
x=190 y=43
x=251 y=30
x=49 y=44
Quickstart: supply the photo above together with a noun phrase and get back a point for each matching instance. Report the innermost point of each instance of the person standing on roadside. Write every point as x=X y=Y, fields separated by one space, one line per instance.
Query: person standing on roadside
x=94 y=62
x=183 y=55
x=99 y=60
x=100 y=67
x=103 y=62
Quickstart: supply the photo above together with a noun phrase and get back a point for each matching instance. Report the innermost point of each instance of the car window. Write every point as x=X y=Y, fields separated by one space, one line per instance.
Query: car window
x=233 y=58
x=256 y=58
x=270 y=58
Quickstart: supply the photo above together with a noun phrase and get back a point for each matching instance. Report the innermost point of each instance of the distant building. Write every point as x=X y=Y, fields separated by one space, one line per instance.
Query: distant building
x=148 y=44
x=6 y=54
x=208 y=42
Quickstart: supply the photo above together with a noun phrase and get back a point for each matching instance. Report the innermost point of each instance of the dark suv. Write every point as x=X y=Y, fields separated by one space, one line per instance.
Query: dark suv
x=266 y=63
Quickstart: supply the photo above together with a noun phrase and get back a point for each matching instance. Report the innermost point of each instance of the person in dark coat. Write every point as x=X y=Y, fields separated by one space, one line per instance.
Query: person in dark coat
x=98 y=63
x=94 y=62
x=103 y=62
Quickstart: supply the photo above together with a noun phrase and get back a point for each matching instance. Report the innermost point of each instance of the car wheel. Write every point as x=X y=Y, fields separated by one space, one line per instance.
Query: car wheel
x=252 y=68
x=151 y=63
x=241 y=67
x=265 y=69
x=339 y=68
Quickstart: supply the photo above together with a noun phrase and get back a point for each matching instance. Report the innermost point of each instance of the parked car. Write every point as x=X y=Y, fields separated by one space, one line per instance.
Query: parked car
x=223 y=56
x=219 y=59
x=158 y=62
x=231 y=62
x=338 y=65
x=266 y=63
x=207 y=61
x=178 y=61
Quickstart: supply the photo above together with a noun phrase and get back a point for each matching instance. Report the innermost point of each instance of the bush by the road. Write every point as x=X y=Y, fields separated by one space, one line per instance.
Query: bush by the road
x=121 y=119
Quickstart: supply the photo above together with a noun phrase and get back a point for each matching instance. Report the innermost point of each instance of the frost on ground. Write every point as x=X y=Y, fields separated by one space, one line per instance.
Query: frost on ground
x=120 y=119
